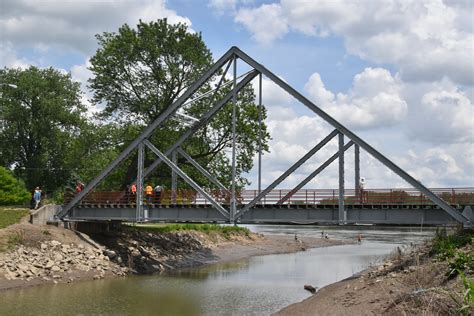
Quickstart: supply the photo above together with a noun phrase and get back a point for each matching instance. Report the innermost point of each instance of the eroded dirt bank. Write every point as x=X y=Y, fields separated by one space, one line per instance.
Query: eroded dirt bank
x=411 y=282
x=46 y=254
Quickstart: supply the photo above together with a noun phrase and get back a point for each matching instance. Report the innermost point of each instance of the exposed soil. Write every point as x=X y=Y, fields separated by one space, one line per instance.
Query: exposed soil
x=48 y=254
x=410 y=283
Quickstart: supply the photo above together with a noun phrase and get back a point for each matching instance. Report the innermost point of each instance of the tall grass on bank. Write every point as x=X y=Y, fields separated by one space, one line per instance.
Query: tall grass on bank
x=205 y=228
x=10 y=216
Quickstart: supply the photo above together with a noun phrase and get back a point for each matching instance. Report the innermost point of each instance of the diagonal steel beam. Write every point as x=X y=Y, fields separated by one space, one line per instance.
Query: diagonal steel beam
x=359 y=141
x=186 y=178
x=148 y=131
x=209 y=176
x=313 y=174
x=204 y=119
x=290 y=170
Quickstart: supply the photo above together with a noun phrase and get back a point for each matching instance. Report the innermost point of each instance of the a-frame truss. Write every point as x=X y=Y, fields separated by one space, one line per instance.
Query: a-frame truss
x=231 y=56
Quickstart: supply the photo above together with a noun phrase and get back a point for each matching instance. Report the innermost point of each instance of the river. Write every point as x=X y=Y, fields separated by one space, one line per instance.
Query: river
x=257 y=286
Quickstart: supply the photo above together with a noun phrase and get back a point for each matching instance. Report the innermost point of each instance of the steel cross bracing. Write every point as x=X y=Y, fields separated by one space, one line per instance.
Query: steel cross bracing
x=231 y=57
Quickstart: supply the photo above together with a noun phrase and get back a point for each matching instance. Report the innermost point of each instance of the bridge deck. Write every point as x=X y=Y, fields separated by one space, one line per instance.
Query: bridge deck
x=400 y=207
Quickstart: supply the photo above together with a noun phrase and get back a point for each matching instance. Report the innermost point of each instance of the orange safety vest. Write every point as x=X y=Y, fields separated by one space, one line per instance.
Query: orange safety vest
x=148 y=190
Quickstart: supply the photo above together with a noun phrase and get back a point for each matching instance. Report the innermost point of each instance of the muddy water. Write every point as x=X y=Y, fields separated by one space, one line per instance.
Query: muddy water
x=257 y=286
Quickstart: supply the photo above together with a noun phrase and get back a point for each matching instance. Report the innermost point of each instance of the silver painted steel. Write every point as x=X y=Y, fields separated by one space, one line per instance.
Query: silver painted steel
x=359 y=141
x=206 y=173
x=342 y=210
x=186 y=178
x=313 y=175
x=233 y=201
x=174 y=178
x=290 y=170
x=203 y=120
x=139 y=184
x=148 y=131
x=194 y=126
x=259 y=133
x=357 y=170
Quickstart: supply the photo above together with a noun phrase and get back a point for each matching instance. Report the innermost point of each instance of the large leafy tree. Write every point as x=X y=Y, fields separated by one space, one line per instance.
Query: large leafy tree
x=139 y=72
x=41 y=116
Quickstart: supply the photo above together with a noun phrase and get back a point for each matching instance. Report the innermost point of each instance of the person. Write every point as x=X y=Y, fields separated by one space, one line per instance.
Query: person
x=37 y=197
x=149 y=193
x=296 y=237
x=79 y=186
x=322 y=234
x=359 y=239
x=158 y=190
x=133 y=190
x=326 y=236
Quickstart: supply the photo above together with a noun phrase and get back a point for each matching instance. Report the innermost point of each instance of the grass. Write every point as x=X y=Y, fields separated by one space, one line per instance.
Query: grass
x=10 y=216
x=205 y=228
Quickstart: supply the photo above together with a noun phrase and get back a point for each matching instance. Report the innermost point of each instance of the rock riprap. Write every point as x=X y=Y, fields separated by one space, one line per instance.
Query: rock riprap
x=53 y=260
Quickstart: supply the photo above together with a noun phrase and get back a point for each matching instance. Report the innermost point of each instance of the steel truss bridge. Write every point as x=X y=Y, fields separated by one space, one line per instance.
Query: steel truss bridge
x=416 y=205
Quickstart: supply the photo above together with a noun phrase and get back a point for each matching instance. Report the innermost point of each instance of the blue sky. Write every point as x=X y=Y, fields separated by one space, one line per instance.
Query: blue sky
x=400 y=74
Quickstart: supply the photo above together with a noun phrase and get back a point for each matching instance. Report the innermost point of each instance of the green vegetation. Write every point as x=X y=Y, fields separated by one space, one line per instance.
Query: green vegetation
x=48 y=139
x=460 y=261
x=12 y=190
x=445 y=246
x=205 y=228
x=10 y=216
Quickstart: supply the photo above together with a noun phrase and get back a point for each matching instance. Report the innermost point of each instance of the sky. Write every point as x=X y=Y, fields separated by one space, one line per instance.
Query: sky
x=398 y=73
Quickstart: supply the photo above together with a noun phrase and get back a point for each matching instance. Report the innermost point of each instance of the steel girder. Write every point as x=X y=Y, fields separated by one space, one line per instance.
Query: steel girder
x=356 y=139
x=313 y=174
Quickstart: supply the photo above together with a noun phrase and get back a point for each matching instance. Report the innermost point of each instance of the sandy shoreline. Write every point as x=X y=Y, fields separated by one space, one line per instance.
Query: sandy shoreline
x=220 y=252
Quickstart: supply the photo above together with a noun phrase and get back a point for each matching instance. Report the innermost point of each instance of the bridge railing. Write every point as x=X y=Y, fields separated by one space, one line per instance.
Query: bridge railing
x=454 y=196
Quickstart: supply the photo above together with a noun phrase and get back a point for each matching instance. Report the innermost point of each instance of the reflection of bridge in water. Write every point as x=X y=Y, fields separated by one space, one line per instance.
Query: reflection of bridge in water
x=419 y=205
x=371 y=206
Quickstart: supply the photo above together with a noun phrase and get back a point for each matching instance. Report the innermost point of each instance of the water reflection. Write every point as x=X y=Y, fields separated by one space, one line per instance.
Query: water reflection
x=257 y=286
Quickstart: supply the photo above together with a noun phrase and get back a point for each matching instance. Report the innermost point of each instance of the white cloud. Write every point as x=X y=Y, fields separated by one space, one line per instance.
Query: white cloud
x=375 y=100
x=427 y=40
x=445 y=114
x=73 y=24
x=9 y=58
x=266 y=22
x=222 y=6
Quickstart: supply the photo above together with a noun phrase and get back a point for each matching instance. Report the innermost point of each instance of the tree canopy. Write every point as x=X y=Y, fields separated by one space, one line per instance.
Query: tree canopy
x=12 y=190
x=139 y=72
x=40 y=119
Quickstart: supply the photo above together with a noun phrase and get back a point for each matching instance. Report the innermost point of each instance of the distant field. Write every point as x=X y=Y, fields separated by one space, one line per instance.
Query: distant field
x=10 y=216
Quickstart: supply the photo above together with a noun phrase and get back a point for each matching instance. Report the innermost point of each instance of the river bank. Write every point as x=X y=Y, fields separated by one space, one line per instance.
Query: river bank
x=39 y=255
x=412 y=281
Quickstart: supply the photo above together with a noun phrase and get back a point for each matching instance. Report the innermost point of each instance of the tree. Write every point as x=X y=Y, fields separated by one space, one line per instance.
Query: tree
x=12 y=190
x=139 y=72
x=39 y=121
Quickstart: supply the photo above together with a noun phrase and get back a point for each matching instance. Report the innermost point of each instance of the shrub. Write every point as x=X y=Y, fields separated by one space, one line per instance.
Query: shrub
x=445 y=245
x=12 y=191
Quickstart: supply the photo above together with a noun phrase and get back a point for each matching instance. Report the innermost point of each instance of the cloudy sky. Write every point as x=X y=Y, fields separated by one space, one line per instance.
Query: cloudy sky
x=400 y=74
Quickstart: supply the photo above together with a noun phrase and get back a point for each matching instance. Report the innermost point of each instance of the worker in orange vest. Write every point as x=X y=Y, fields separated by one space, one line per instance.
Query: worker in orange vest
x=149 y=192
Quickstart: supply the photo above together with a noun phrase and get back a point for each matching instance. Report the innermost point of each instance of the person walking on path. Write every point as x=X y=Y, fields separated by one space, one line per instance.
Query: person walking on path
x=149 y=193
x=37 y=197
x=359 y=239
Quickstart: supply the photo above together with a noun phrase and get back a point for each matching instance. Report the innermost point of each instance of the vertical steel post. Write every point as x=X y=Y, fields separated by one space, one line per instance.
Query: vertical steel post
x=233 y=204
x=141 y=160
x=357 y=172
x=174 y=178
x=260 y=133
x=342 y=212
